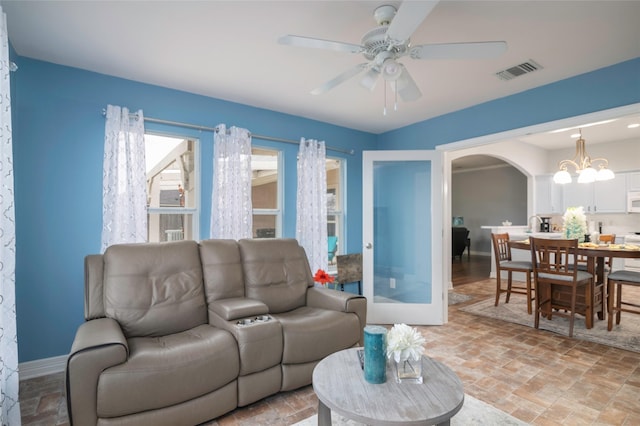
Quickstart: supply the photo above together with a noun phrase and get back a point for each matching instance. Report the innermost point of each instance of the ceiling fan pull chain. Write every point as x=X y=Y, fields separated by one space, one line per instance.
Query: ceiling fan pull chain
x=384 y=110
x=395 y=102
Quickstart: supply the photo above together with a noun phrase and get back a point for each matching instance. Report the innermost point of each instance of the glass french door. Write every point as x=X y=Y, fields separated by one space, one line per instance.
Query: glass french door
x=402 y=237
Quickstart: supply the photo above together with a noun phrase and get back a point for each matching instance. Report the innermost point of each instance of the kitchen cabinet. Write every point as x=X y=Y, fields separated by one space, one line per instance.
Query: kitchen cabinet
x=609 y=196
x=633 y=181
x=548 y=196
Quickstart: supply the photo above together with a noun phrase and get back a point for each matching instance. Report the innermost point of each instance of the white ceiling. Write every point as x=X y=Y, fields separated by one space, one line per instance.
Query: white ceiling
x=229 y=50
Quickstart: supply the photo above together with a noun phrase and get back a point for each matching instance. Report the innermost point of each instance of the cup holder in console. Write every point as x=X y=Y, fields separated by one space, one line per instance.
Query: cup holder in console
x=262 y=318
x=249 y=321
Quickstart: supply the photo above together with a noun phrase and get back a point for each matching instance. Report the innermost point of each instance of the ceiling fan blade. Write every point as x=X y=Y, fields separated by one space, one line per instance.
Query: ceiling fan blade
x=408 y=18
x=316 y=43
x=405 y=86
x=339 y=79
x=473 y=50
x=370 y=79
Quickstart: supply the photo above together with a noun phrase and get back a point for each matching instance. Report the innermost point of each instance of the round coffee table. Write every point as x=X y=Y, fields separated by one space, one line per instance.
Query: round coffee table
x=338 y=381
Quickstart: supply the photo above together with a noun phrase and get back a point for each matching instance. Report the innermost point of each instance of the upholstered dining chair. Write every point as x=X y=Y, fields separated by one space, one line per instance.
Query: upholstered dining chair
x=557 y=279
x=502 y=253
x=615 y=305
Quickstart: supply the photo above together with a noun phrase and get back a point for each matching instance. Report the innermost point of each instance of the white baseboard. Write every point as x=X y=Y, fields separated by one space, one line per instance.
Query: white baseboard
x=42 y=367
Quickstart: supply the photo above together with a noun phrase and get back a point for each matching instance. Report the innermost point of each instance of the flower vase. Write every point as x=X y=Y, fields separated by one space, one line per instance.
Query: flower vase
x=409 y=370
x=574 y=224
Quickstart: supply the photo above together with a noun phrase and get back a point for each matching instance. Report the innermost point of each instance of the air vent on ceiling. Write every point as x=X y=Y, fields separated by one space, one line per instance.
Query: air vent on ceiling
x=518 y=70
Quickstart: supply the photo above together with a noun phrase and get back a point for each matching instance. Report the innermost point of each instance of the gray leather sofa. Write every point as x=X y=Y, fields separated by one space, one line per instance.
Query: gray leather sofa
x=182 y=332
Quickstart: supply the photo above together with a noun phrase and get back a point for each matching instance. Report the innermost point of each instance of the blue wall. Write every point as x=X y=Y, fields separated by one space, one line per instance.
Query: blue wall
x=58 y=146
x=58 y=136
x=606 y=88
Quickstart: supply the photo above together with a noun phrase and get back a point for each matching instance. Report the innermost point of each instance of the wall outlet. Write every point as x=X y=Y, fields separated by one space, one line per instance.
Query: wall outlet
x=392 y=282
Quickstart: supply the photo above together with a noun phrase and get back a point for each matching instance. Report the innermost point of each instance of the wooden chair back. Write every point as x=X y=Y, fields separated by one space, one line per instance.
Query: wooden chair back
x=554 y=257
x=555 y=267
x=501 y=248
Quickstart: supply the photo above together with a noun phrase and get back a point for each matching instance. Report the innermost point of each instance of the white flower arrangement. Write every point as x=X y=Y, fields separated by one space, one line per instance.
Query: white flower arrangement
x=404 y=342
x=574 y=223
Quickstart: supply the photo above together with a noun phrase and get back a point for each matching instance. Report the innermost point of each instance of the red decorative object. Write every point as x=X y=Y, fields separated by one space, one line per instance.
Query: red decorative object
x=322 y=277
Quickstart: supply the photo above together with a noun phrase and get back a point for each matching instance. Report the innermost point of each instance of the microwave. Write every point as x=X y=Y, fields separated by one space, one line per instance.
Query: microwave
x=633 y=202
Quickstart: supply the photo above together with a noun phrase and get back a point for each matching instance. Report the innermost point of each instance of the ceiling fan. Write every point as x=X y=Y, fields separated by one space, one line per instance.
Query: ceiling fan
x=390 y=41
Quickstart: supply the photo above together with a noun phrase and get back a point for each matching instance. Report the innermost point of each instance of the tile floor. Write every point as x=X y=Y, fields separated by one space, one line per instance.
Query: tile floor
x=536 y=376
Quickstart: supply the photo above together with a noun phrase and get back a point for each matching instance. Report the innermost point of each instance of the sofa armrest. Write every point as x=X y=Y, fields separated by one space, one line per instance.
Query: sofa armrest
x=237 y=308
x=98 y=345
x=339 y=301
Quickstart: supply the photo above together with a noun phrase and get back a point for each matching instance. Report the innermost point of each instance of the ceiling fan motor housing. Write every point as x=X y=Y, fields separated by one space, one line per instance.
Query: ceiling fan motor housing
x=375 y=41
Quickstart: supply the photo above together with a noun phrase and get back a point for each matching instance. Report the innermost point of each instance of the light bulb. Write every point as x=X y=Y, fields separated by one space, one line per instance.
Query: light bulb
x=562 y=177
x=391 y=70
x=605 y=174
x=587 y=175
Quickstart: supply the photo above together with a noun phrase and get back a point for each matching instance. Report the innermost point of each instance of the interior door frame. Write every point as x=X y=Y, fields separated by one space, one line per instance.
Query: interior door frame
x=465 y=147
x=415 y=313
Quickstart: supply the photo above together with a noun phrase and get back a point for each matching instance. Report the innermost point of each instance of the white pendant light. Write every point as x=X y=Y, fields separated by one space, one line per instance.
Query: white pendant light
x=582 y=163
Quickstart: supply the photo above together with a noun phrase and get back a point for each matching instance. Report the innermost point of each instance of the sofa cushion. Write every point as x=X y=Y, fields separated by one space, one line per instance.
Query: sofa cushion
x=163 y=371
x=222 y=269
x=311 y=334
x=276 y=272
x=154 y=289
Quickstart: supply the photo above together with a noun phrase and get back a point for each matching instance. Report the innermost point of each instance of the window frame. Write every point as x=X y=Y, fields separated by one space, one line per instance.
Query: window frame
x=195 y=210
x=278 y=211
x=341 y=213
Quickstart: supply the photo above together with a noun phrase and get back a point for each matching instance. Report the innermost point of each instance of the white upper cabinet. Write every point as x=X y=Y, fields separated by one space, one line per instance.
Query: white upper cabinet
x=608 y=196
x=633 y=181
x=548 y=196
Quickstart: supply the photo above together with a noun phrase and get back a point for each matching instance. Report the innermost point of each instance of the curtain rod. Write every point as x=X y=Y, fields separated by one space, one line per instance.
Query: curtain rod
x=215 y=129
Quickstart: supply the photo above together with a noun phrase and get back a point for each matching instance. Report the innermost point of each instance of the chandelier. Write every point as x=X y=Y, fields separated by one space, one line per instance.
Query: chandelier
x=583 y=165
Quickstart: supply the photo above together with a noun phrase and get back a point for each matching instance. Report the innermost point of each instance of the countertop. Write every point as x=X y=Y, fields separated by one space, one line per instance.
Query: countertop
x=520 y=232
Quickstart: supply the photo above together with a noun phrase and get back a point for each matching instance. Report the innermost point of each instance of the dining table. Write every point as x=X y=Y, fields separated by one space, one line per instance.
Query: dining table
x=595 y=255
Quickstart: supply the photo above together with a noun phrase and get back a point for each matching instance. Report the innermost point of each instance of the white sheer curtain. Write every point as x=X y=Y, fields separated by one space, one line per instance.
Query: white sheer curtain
x=231 y=209
x=124 y=179
x=311 y=218
x=9 y=380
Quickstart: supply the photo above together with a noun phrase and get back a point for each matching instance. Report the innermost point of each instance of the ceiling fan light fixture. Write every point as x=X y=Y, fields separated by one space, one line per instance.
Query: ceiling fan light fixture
x=391 y=70
x=370 y=79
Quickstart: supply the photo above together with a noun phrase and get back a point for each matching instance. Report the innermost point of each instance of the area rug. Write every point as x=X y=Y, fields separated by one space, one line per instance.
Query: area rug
x=473 y=412
x=624 y=336
x=455 y=298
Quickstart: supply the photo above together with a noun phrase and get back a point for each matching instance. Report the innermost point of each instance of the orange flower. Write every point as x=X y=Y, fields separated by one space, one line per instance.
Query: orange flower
x=322 y=277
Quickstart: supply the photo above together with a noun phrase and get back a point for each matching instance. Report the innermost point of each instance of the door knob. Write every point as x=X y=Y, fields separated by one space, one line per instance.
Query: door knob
x=369 y=246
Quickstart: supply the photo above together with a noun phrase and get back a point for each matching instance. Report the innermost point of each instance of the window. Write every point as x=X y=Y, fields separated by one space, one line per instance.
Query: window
x=335 y=210
x=265 y=192
x=172 y=185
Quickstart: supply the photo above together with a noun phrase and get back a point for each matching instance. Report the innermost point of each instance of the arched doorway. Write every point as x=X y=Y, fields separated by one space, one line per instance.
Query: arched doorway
x=485 y=190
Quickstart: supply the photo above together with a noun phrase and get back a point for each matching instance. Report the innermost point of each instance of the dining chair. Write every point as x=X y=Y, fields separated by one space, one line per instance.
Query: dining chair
x=615 y=304
x=504 y=262
x=554 y=270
